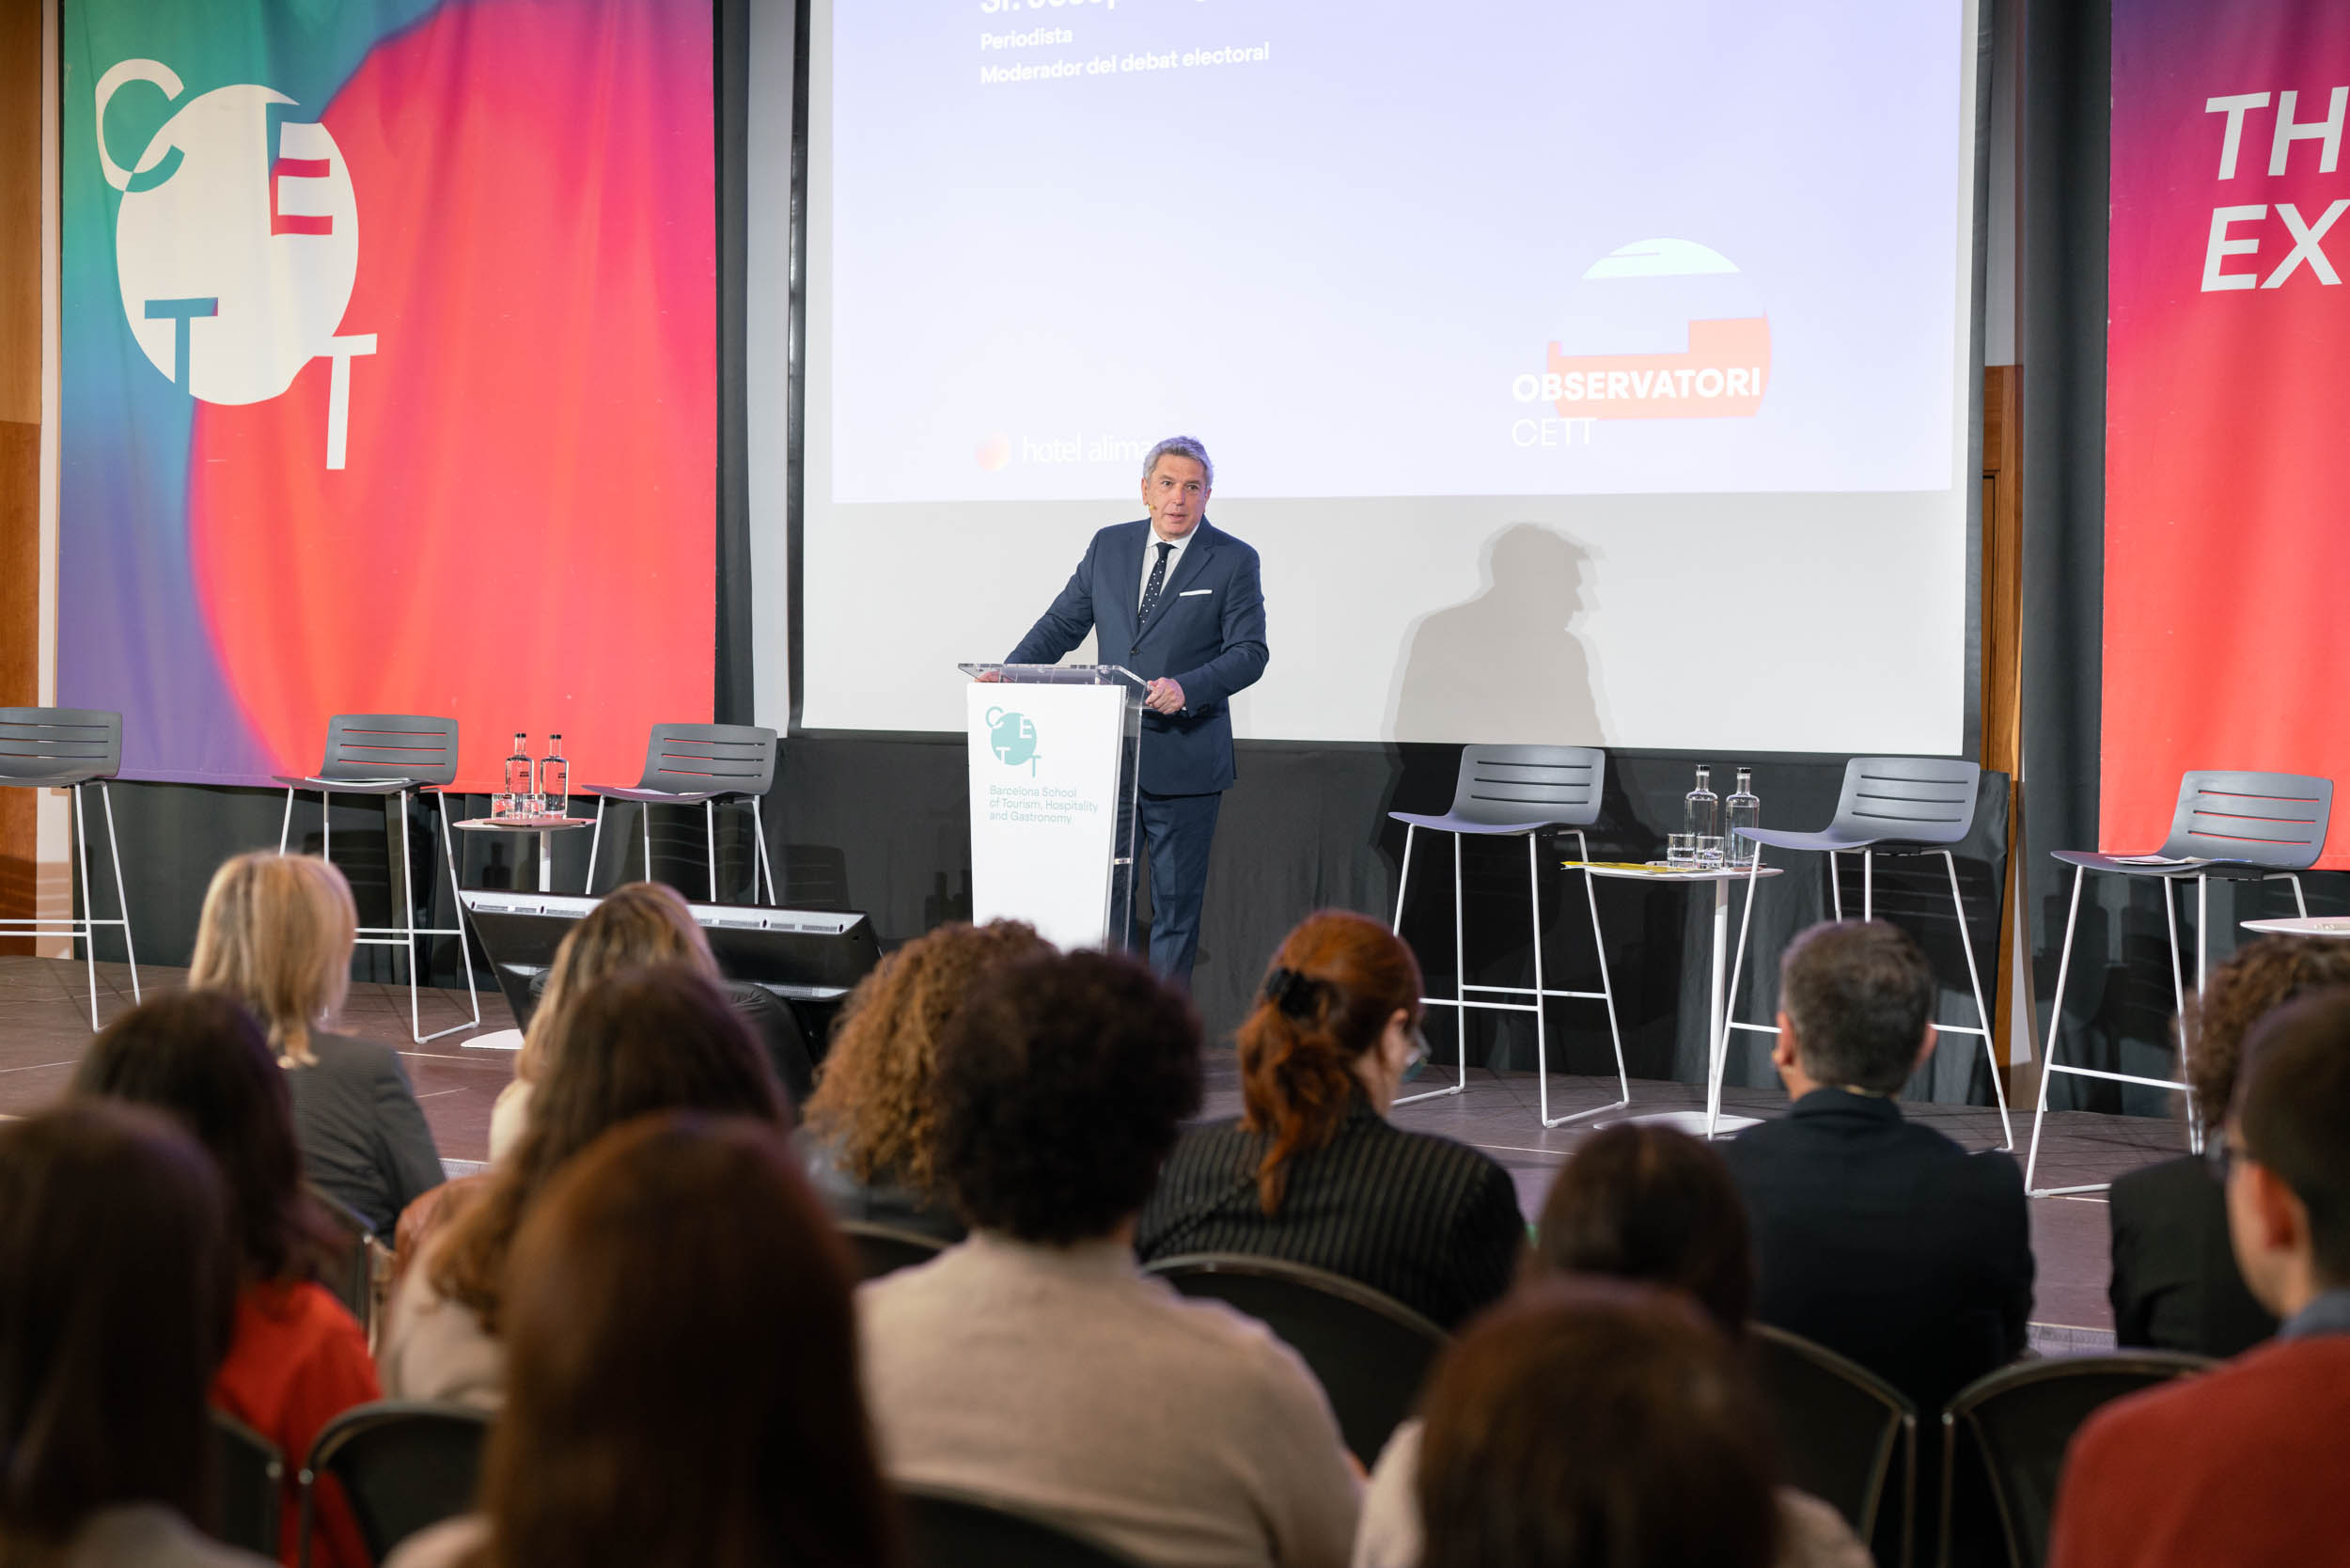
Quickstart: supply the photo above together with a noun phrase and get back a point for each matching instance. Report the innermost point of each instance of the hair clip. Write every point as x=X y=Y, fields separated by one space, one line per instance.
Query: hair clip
x=1293 y=992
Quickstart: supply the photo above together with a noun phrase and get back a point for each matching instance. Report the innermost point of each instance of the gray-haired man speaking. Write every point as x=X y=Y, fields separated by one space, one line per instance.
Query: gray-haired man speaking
x=1177 y=601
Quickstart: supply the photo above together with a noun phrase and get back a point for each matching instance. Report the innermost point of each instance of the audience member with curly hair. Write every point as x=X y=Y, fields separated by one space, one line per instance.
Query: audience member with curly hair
x=276 y=932
x=871 y=1125
x=2175 y=1284
x=297 y=1358
x=1638 y=1203
x=681 y=1327
x=641 y=1041
x=1590 y=1422
x=118 y=1284
x=1034 y=1362
x=1312 y=1172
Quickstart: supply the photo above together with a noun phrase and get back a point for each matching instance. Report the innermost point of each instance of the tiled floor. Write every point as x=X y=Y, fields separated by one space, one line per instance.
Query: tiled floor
x=44 y=1027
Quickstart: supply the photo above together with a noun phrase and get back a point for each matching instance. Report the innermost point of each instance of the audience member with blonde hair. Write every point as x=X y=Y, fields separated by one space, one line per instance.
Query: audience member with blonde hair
x=276 y=933
x=644 y=1040
x=681 y=1326
x=1312 y=1172
x=644 y=922
x=873 y=1121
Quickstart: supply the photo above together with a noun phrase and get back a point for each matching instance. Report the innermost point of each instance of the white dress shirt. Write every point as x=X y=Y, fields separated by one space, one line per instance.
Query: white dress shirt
x=1151 y=557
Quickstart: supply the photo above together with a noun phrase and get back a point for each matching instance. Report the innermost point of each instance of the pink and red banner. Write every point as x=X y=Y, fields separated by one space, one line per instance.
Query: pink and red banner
x=390 y=370
x=2228 y=405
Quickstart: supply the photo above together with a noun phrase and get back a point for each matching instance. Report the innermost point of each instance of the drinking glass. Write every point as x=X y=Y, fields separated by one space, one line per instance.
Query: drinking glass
x=1681 y=851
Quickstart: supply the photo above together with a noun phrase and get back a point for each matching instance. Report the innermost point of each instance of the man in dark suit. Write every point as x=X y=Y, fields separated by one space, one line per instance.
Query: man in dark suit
x=1878 y=1238
x=1177 y=601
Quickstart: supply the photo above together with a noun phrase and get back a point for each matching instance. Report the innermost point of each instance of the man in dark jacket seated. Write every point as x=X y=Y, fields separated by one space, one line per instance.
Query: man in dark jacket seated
x=1878 y=1238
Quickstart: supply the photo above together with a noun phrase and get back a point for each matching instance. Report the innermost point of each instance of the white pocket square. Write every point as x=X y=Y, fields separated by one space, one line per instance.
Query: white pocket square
x=1193 y=593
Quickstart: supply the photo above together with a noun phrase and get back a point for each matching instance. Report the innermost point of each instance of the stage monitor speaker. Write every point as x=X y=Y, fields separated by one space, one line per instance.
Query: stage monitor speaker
x=809 y=958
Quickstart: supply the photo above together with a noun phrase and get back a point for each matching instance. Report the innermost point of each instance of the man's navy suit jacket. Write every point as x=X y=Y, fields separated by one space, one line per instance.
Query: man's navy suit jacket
x=1206 y=630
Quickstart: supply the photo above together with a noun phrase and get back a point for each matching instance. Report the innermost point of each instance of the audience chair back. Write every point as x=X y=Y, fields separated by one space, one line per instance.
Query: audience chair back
x=884 y=1249
x=1371 y=1353
x=360 y=1261
x=1841 y=1427
x=2022 y=1418
x=956 y=1529
x=251 y=1475
x=403 y=1466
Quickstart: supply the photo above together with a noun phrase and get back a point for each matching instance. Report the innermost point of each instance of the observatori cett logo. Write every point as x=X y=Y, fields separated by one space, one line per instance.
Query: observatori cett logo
x=1658 y=329
x=1012 y=738
x=236 y=245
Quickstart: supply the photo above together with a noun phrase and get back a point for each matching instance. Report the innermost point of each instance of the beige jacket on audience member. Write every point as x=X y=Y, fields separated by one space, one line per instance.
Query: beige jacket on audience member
x=1811 y=1534
x=434 y=1348
x=1066 y=1382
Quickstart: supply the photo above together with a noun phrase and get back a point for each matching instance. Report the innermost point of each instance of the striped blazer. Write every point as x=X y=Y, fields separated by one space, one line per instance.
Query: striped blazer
x=1432 y=1223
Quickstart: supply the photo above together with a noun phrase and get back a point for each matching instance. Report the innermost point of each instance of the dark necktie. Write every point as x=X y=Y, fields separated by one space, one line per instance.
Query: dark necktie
x=1158 y=581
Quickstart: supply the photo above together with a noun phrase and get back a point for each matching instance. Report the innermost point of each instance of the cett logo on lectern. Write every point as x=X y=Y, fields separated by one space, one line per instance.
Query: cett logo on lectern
x=1012 y=738
x=236 y=245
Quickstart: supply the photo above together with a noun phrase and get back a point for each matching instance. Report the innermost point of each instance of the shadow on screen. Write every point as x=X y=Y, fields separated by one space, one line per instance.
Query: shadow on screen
x=1504 y=667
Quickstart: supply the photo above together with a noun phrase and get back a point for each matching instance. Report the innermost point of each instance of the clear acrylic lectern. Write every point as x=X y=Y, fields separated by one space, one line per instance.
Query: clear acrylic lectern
x=1056 y=759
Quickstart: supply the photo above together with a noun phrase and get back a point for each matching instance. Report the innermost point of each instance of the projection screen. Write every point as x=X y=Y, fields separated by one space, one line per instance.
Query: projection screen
x=1582 y=373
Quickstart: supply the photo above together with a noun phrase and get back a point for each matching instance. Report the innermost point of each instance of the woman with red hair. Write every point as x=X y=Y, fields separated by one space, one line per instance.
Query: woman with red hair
x=1311 y=1171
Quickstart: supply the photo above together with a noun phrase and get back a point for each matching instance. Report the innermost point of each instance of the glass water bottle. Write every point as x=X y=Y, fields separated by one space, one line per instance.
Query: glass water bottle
x=554 y=778
x=1701 y=819
x=1742 y=810
x=517 y=774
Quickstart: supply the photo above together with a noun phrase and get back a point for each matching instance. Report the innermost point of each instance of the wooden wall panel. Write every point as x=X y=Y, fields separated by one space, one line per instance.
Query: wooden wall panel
x=21 y=64
x=2002 y=643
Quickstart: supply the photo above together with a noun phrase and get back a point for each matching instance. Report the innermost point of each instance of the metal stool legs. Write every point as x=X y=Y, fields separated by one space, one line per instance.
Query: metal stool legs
x=1461 y=1002
x=86 y=925
x=2051 y=1067
x=404 y=934
x=709 y=839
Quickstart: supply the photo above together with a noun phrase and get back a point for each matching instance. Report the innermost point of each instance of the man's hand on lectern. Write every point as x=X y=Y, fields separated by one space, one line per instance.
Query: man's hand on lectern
x=988 y=677
x=1164 y=697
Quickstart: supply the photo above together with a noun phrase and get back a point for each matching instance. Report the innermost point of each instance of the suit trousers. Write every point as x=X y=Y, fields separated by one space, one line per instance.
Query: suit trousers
x=1176 y=832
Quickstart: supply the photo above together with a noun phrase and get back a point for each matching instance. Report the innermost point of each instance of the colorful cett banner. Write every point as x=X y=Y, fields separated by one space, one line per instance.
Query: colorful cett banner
x=390 y=375
x=2227 y=410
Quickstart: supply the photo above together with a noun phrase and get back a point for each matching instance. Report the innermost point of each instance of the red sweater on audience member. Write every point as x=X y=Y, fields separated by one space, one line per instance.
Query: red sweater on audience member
x=297 y=1360
x=2244 y=1465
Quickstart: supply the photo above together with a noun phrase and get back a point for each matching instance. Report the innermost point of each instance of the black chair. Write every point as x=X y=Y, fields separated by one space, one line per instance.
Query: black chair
x=1370 y=1353
x=689 y=764
x=2235 y=826
x=388 y=755
x=1892 y=805
x=2022 y=1418
x=64 y=748
x=361 y=1257
x=1841 y=1427
x=1511 y=791
x=402 y=1465
x=957 y=1529
x=252 y=1478
x=884 y=1249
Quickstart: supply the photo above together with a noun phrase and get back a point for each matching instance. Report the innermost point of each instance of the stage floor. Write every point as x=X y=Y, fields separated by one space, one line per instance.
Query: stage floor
x=44 y=1027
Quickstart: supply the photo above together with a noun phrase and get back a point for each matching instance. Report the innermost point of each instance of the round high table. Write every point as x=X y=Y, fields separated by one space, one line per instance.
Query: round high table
x=1718 y=1021
x=2304 y=925
x=545 y=827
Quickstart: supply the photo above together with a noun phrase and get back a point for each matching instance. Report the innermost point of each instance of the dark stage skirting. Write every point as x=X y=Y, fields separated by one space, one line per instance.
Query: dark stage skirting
x=880 y=824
